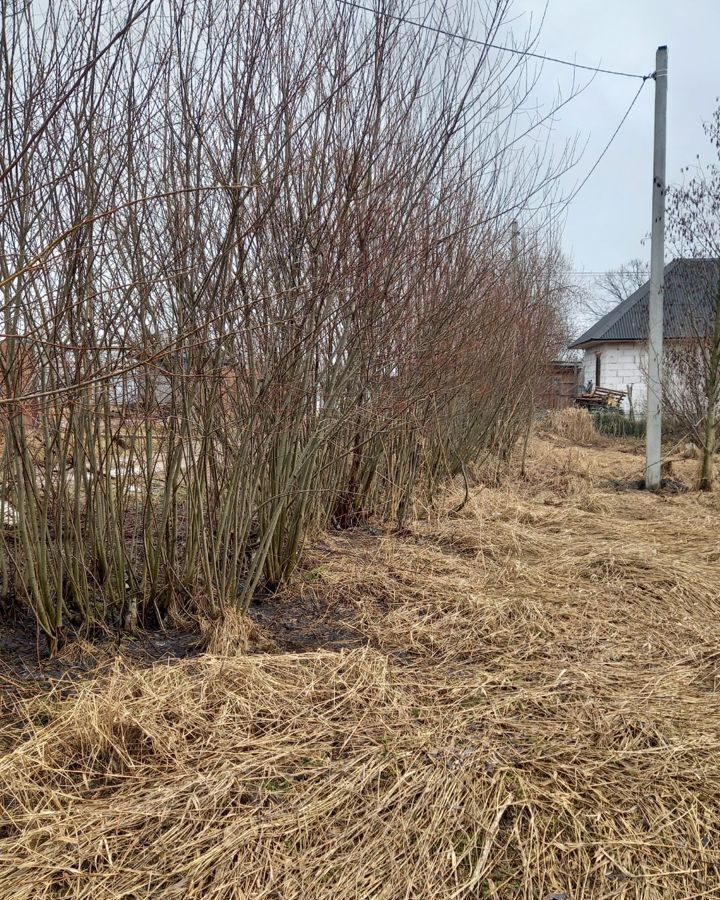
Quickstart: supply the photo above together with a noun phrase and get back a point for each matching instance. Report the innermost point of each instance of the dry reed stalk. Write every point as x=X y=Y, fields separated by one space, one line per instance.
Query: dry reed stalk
x=572 y=423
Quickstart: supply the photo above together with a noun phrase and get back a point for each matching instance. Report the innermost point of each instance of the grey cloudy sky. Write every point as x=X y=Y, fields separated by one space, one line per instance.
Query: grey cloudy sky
x=610 y=217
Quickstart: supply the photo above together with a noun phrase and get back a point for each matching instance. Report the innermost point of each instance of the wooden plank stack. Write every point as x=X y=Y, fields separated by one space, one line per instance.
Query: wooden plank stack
x=600 y=398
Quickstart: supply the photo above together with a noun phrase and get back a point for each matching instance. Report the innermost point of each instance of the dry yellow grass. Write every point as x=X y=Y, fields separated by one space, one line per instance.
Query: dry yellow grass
x=536 y=715
x=573 y=423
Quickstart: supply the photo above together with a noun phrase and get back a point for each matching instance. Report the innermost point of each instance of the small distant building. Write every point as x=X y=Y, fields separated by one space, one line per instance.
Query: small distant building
x=562 y=385
x=615 y=348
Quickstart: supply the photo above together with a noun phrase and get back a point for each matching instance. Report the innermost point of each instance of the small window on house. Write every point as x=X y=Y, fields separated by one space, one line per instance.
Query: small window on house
x=598 y=369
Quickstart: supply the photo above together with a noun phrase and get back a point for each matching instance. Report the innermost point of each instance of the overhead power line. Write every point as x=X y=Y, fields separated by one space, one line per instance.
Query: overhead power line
x=555 y=216
x=527 y=53
x=492 y=46
x=608 y=272
x=602 y=154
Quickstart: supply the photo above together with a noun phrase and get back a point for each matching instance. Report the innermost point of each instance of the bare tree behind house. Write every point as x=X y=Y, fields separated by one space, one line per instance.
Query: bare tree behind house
x=614 y=286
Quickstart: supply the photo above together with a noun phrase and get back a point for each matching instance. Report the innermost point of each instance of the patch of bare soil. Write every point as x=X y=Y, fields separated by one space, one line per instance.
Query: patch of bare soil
x=27 y=668
x=301 y=619
x=302 y=624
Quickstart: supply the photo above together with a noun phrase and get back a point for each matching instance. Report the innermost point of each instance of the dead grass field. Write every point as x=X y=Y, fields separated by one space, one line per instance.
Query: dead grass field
x=531 y=711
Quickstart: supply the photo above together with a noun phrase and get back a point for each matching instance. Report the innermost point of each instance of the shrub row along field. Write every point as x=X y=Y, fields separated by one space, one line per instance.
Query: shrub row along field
x=531 y=712
x=257 y=279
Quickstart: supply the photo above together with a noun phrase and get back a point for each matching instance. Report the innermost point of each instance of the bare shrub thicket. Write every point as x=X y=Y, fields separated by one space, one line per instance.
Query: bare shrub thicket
x=256 y=281
x=693 y=366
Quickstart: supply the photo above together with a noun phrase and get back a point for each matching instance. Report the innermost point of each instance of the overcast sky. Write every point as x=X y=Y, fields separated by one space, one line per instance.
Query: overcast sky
x=610 y=218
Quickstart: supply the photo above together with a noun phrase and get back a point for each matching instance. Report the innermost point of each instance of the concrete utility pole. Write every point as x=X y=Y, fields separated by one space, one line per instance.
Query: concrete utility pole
x=653 y=450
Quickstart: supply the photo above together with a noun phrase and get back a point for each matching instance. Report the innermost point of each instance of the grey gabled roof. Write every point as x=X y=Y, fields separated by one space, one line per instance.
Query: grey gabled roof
x=691 y=287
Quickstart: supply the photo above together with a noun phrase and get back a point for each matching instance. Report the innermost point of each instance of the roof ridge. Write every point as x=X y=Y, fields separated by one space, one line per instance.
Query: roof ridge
x=599 y=331
x=605 y=323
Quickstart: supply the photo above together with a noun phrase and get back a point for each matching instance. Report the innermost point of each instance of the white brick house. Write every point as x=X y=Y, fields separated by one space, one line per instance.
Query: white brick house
x=615 y=348
x=620 y=366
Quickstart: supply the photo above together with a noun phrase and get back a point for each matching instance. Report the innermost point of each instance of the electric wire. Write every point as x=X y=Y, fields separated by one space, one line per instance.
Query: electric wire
x=469 y=40
x=603 y=153
x=527 y=53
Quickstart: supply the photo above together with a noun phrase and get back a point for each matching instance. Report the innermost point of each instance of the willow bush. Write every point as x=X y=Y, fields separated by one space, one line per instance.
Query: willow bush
x=256 y=281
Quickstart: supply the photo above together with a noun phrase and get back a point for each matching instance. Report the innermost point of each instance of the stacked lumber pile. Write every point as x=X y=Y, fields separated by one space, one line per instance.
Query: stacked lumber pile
x=600 y=398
